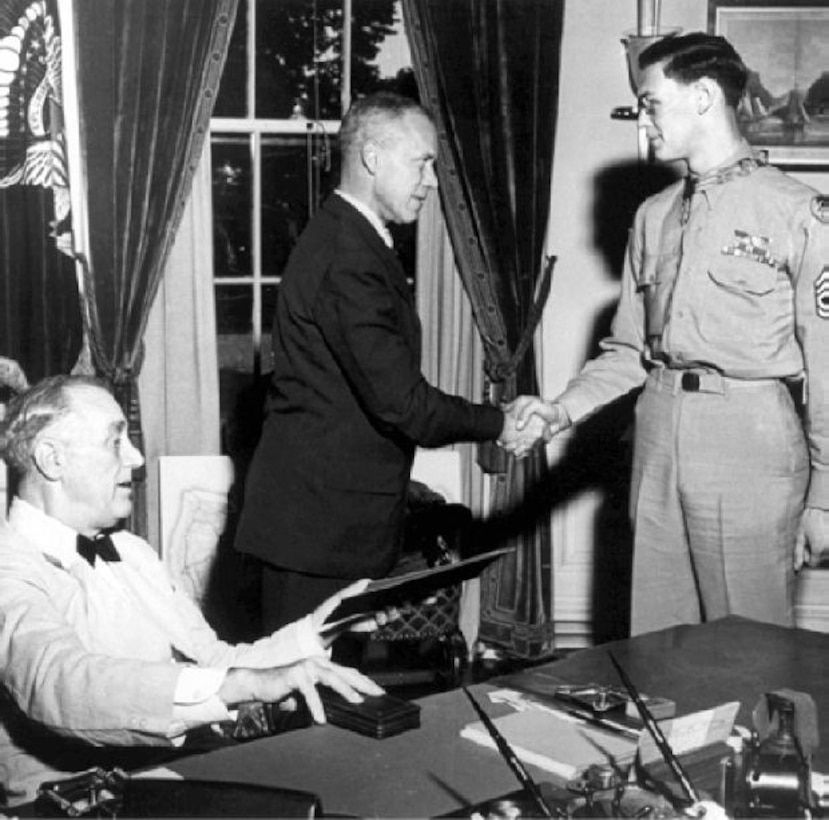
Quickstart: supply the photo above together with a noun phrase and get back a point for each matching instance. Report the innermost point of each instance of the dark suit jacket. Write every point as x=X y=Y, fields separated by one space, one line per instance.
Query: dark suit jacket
x=326 y=489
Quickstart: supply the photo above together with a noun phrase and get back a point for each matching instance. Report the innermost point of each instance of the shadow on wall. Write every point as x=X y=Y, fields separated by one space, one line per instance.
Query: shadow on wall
x=599 y=454
x=618 y=191
x=602 y=447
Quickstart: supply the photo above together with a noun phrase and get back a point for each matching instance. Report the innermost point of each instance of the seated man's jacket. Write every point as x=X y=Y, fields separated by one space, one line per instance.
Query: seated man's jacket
x=91 y=655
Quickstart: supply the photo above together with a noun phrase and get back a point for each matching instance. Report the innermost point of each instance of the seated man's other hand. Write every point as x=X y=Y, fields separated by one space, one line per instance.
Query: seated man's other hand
x=303 y=677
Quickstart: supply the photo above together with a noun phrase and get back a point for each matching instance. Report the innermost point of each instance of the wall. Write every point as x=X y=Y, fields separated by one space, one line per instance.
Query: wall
x=590 y=147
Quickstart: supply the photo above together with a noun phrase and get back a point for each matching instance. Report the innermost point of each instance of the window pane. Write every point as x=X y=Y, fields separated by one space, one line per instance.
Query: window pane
x=299 y=55
x=234 y=309
x=380 y=56
x=294 y=169
x=234 y=312
x=298 y=58
x=230 y=101
x=232 y=205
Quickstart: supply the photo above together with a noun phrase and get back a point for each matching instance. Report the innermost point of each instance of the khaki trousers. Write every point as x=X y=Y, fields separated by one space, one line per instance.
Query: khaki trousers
x=720 y=474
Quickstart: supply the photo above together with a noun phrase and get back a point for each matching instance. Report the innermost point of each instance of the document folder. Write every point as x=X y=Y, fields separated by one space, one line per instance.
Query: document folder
x=413 y=587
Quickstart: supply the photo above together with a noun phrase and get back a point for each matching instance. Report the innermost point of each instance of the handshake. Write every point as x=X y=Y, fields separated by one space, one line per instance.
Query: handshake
x=528 y=421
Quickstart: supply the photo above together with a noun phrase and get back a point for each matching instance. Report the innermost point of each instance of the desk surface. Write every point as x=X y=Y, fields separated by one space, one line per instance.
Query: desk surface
x=432 y=770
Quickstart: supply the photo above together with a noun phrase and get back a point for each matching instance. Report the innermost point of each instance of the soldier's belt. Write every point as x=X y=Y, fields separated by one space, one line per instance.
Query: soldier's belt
x=705 y=381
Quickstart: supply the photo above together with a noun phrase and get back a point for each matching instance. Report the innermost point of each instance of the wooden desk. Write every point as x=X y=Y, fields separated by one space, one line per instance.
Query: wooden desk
x=432 y=770
x=702 y=666
x=420 y=773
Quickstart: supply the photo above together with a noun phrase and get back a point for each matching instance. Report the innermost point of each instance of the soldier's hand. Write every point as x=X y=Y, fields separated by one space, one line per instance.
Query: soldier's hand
x=812 y=543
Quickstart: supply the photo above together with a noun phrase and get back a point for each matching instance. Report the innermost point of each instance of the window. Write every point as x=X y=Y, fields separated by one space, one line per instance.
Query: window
x=290 y=74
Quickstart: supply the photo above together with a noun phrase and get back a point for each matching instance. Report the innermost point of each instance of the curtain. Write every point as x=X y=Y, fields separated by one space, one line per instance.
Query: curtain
x=452 y=352
x=180 y=394
x=453 y=361
x=488 y=70
x=40 y=324
x=147 y=76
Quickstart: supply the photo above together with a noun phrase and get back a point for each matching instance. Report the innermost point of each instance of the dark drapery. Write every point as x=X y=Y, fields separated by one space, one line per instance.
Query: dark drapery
x=148 y=73
x=40 y=324
x=488 y=70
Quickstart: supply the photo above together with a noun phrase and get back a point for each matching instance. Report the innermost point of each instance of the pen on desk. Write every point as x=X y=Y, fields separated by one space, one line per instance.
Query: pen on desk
x=594 y=720
x=509 y=755
x=656 y=733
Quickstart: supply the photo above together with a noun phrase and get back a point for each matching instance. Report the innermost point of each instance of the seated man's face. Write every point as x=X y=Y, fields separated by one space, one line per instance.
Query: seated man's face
x=100 y=458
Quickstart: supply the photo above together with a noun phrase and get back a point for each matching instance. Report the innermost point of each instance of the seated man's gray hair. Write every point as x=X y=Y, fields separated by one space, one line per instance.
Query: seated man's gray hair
x=28 y=413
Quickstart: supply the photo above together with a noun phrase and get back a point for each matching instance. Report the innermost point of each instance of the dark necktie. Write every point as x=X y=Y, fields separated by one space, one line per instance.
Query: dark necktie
x=99 y=547
x=687 y=195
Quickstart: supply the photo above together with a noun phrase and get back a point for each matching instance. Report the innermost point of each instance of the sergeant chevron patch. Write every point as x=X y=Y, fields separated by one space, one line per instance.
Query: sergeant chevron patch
x=822 y=293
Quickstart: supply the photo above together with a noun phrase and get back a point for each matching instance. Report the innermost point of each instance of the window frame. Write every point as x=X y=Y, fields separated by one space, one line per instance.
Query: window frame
x=256 y=130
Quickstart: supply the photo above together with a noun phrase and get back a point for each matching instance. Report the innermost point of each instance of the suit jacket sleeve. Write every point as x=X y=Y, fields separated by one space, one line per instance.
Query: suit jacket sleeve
x=363 y=314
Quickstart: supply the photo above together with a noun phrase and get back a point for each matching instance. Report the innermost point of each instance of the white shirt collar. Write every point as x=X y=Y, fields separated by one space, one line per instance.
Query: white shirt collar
x=370 y=215
x=49 y=535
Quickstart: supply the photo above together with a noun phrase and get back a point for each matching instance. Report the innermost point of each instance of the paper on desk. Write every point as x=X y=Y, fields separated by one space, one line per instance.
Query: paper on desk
x=550 y=738
x=689 y=732
x=411 y=587
x=554 y=742
x=160 y=773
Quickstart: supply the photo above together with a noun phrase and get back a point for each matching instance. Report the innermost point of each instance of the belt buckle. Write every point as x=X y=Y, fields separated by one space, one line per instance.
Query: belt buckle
x=690 y=382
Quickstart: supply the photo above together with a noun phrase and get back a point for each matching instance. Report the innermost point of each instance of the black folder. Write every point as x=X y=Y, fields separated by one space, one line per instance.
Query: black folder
x=411 y=588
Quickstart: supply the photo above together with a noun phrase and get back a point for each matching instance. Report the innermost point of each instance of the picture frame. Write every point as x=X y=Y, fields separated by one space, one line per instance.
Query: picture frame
x=785 y=45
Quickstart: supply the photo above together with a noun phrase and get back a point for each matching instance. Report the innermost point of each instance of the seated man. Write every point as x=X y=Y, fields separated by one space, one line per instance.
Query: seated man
x=98 y=649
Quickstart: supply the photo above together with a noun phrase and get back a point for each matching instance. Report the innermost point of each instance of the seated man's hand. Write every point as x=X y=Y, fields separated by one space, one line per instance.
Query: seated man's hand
x=303 y=677
x=368 y=622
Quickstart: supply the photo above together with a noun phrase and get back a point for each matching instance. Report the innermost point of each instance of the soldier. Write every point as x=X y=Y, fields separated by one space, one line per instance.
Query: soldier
x=723 y=316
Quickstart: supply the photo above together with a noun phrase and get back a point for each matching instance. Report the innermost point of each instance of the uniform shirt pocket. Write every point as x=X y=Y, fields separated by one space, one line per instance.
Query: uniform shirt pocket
x=739 y=275
x=747 y=302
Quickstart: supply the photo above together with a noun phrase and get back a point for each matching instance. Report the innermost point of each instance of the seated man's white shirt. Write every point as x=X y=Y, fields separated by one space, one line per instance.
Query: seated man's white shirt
x=70 y=632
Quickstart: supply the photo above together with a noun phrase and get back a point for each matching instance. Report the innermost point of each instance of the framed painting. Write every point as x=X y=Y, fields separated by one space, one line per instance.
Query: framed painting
x=785 y=46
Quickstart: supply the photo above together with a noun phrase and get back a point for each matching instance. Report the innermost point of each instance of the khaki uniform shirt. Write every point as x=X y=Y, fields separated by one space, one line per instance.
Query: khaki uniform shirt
x=733 y=277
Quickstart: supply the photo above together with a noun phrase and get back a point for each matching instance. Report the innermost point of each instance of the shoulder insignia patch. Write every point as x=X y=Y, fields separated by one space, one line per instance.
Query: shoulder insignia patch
x=822 y=293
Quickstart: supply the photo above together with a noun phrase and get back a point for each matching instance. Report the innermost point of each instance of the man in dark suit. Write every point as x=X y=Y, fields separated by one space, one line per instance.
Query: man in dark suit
x=348 y=404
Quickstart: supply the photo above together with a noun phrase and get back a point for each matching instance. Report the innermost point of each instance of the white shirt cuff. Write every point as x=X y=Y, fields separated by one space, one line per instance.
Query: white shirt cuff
x=196 y=699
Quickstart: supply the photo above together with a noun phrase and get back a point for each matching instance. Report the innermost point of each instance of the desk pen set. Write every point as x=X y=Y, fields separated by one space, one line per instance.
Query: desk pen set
x=768 y=776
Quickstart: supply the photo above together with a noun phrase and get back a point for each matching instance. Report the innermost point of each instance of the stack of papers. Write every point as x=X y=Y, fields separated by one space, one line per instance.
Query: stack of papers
x=565 y=745
x=557 y=743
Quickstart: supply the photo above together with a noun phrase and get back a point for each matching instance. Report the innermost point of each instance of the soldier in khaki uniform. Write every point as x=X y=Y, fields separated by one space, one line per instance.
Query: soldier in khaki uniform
x=723 y=316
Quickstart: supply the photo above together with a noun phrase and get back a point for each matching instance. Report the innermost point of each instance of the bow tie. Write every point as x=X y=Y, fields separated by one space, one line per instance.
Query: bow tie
x=92 y=548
